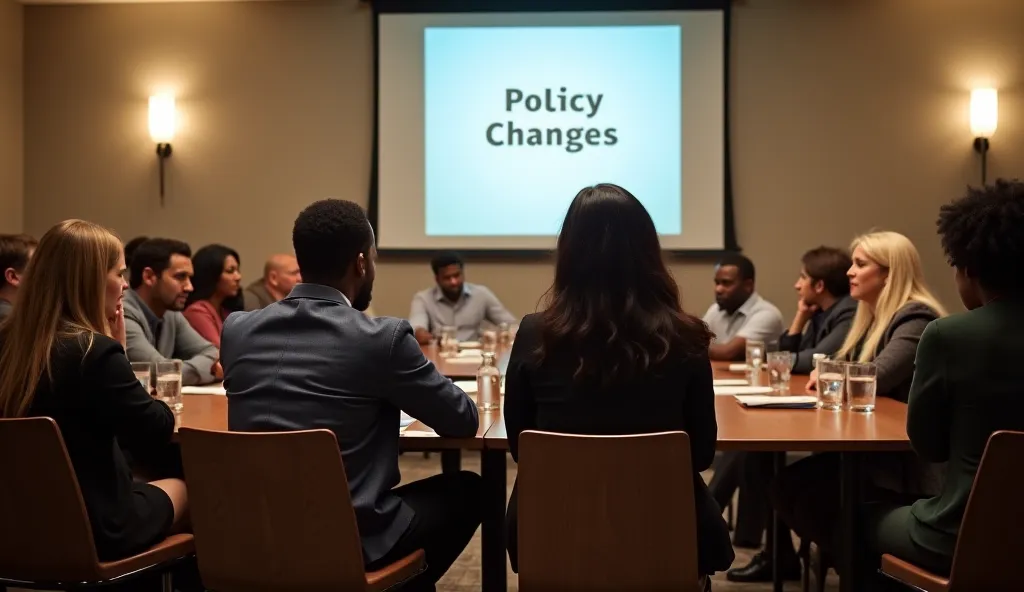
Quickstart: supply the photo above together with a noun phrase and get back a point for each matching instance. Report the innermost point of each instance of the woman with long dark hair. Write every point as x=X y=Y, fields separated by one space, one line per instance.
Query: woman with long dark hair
x=217 y=290
x=614 y=352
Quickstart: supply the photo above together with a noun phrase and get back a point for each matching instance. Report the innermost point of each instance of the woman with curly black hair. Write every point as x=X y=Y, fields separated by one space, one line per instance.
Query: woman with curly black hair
x=968 y=381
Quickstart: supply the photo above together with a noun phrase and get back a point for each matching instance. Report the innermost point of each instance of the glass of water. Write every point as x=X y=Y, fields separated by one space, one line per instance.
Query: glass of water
x=831 y=377
x=861 y=382
x=144 y=373
x=780 y=368
x=168 y=384
x=489 y=341
x=755 y=358
x=449 y=344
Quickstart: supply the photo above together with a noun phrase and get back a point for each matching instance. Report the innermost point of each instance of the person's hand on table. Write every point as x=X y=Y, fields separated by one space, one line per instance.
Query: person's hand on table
x=423 y=336
x=812 y=382
x=217 y=370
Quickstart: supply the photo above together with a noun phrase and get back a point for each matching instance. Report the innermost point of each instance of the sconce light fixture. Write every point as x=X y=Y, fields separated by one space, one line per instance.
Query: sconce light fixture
x=984 y=120
x=162 y=124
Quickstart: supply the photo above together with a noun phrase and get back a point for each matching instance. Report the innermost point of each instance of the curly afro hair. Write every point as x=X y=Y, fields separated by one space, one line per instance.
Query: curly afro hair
x=983 y=234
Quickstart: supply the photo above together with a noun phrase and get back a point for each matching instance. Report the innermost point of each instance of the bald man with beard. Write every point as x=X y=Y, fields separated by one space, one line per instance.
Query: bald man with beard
x=280 y=274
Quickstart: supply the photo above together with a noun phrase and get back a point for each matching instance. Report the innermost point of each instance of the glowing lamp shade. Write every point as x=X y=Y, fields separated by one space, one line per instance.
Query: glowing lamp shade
x=162 y=118
x=984 y=112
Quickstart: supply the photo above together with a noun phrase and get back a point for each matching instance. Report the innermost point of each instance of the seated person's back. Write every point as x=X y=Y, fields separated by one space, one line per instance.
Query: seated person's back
x=968 y=381
x=614 y=353
x=314 y=360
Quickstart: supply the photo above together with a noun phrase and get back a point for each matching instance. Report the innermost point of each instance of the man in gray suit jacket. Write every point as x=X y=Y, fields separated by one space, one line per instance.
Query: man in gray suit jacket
x=161 y=280
x=314 y=360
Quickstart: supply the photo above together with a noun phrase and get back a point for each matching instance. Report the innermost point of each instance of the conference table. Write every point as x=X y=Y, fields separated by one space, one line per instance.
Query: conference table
x=776 y=431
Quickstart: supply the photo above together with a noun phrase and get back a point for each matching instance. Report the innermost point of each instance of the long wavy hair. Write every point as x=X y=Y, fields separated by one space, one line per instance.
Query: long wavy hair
x=208 y=264
x=614 y=306
x=905 y=283
x=63 y=295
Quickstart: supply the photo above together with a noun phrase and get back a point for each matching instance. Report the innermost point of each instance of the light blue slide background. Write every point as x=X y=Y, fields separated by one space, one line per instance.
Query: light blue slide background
x=474 y=188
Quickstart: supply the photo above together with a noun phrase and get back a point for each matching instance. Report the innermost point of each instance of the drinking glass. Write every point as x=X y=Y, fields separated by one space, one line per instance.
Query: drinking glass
x=831 y=379
x=168 y=384
x=489 y=341
x=780 y=367
x=449 y=344
x=504 y=336
x=144 y=372
x=755 y=358
x=861 y=382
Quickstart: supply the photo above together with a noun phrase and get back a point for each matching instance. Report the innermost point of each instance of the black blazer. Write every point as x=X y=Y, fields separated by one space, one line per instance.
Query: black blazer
x=679 y=396
x=101 y=407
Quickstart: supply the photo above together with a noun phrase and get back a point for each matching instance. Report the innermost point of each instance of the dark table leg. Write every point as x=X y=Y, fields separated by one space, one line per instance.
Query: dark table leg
x=779 y=463
x=850 y=500
x=492 y=469
x=451 y=461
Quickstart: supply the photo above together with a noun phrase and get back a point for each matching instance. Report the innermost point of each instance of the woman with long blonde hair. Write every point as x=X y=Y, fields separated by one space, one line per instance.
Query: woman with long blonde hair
x=62 y=356
x=894 y=307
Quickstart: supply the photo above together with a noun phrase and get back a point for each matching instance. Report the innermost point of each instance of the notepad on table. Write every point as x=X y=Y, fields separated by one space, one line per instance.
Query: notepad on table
x=777 y=402
x=406 y=419
x=738 y=368
x=745 y=389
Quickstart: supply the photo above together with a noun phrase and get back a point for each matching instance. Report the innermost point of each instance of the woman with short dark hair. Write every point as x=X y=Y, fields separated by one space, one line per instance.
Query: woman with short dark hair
x=614 y=352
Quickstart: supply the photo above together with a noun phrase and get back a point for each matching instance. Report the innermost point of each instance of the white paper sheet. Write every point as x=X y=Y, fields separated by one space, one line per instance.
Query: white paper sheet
x=210 y=389
x=742 y=390
x=730 y=382
x=762 y=400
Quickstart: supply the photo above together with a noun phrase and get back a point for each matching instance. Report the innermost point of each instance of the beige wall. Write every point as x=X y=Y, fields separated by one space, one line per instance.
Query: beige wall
x=845 y=116
x=11 y=163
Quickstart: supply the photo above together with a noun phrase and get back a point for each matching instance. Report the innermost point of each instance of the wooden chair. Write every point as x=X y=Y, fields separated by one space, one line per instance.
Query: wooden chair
x=586 y=517
x=272 y=513
x=46 y=541
x=989 y=544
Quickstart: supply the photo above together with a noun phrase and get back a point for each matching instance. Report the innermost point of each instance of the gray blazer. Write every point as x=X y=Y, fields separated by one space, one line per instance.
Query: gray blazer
x=311 y=361
x=178 y=340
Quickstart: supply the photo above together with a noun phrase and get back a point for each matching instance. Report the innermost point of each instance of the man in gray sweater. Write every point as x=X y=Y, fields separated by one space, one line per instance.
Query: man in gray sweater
x=161 y=280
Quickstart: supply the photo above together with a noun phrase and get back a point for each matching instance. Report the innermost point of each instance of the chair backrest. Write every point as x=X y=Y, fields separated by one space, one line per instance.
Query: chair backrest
x=271 y=511
x=44 y=529
x=989 y=543
x=606 y=512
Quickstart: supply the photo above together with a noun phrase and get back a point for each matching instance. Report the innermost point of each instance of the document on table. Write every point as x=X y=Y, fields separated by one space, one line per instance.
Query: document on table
x=778 y=402
x=210 y=389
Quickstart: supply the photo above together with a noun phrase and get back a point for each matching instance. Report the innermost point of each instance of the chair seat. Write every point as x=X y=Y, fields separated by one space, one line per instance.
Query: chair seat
x=173 y=547
x=397 y=572
x=913 y=575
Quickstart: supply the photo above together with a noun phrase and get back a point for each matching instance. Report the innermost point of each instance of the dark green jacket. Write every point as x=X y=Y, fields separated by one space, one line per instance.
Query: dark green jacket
x=968 y=383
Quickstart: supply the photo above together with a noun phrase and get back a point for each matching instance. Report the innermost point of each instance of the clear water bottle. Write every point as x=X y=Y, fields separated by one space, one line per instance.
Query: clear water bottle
x=488 y=383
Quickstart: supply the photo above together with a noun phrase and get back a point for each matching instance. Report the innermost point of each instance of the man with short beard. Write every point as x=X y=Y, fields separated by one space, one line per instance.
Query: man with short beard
x=314 y=360
x=161 y=280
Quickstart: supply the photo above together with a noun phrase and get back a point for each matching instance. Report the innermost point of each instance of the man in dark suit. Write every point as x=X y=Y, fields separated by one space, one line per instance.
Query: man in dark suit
x=314 y=360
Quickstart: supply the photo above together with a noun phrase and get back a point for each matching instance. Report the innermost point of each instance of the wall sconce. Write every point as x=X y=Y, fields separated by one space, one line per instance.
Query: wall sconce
x=162 y=123
x=984 y=119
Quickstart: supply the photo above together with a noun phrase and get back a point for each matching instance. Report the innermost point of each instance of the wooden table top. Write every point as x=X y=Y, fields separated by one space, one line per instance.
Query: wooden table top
x=739 y=428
